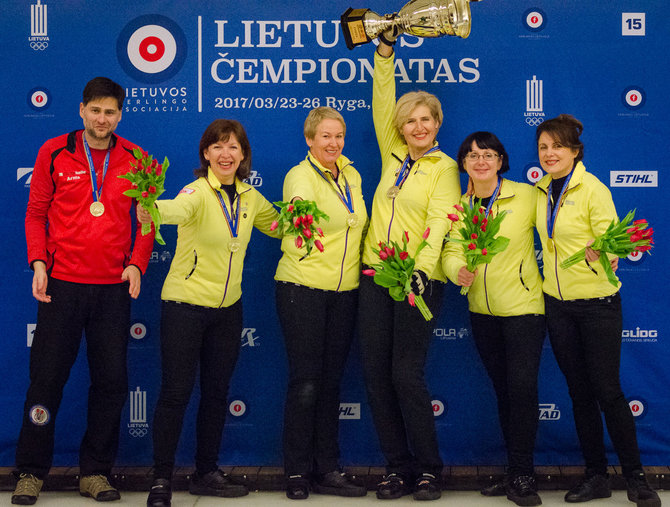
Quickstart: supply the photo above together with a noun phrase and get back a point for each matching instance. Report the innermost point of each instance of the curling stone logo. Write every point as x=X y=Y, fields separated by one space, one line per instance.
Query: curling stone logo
x=534 y=19
x=138 y=330
x=534 y=173
x=151 y=48
x=39 y=98
x=237 y=408
x=633 y=97
x=637 y=407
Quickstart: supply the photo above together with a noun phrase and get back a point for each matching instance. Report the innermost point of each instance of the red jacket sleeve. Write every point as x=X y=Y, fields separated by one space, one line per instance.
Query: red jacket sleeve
x=41 y=194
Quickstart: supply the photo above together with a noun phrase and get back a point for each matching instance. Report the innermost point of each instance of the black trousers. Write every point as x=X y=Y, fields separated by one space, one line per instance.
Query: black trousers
x=318 y=328
x=191 y=336
x=394 y=344
x=102 y=313
x=510 y=349
x=586 y=338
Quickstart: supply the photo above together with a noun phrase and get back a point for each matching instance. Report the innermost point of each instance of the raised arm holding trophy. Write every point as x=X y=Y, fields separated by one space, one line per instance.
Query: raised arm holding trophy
x=421 y=18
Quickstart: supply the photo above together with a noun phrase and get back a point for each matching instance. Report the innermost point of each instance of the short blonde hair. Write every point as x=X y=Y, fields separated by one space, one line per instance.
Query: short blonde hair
x=409 y=101
x=317 y=115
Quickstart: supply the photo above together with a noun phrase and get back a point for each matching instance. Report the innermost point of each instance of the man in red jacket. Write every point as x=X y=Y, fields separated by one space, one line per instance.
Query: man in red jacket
x=86 y=269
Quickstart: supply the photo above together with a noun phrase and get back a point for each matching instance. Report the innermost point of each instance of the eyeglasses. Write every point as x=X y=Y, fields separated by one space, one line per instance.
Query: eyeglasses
x=488 y=156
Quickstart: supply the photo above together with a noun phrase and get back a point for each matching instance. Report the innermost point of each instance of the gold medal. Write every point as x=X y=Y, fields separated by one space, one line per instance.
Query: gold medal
x=550 y=245
x=393 y=192
x=234 y=244
x=97 y=208
x=352 y=220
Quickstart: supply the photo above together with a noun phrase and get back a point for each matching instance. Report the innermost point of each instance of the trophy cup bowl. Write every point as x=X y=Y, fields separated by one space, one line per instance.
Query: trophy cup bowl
x=421 y=18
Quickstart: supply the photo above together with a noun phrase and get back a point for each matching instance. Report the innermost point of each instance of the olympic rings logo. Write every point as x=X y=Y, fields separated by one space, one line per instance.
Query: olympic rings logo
x=534 y=121
x=137 y=432
x=39 y=46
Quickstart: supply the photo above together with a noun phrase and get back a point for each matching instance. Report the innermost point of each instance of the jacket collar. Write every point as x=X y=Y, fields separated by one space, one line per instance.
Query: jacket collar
x=240 y=185
x=506 y=191
x=575 y=180
x=401 y=153
x=71 y=145
x=341 y=162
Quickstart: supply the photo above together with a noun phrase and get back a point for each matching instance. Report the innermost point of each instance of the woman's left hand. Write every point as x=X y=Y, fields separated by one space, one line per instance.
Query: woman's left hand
x=614 y=263
x=591 y=254
x=143 y=215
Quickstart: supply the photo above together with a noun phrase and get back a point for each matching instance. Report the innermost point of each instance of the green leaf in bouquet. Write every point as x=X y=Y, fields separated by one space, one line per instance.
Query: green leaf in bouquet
x=574 y=259
x=397 y=293
x=498 y=245
x=133 y=193
x=605 y=263
x=128 y=176
x=385 y=280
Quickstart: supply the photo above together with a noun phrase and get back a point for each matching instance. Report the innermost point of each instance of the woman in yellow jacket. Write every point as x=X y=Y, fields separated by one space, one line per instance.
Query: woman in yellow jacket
x=506 y=307
x=326 y=283
x=584 y=310
x=418 y=185
x=201 y=313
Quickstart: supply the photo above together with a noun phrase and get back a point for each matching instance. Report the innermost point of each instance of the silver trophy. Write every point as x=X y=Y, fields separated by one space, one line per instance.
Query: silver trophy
x=422 y=18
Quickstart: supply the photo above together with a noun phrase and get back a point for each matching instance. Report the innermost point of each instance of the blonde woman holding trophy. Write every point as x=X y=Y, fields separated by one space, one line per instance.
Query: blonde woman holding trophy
x=418 y=185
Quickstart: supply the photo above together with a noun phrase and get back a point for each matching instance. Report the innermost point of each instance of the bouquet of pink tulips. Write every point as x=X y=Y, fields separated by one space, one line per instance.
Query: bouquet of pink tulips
x=478 y=235
x=394 y=271
x=148 y=179
x=621 y=239
x=300 y=219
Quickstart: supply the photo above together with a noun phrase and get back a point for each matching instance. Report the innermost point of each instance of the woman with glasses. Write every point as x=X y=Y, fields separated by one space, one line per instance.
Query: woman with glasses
x=584 y=317
x=506 y=307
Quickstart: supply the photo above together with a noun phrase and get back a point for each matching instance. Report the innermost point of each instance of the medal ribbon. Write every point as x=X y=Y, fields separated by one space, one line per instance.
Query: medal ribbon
x=404 y=170
x=91 y=169
x=233 y=222
x=494 y=196
x=551 y=217
x=345 y=197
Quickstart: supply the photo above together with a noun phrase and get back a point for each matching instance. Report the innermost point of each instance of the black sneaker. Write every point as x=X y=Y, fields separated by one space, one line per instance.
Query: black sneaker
x=427 y=487
x=392 y=486
x=640 y=492
x=160 y=494
x=592 y=486
x=522 y=490
x=340 y=484
x=496 y=489
x=216 y=483
x=297 y=487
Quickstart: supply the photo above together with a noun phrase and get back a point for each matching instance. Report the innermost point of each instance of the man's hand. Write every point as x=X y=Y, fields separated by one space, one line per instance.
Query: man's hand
x=40 y=281
x=133 y=275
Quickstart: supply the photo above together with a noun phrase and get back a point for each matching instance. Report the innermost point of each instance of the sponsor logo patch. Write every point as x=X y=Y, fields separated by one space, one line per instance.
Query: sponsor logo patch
x=39 y=415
